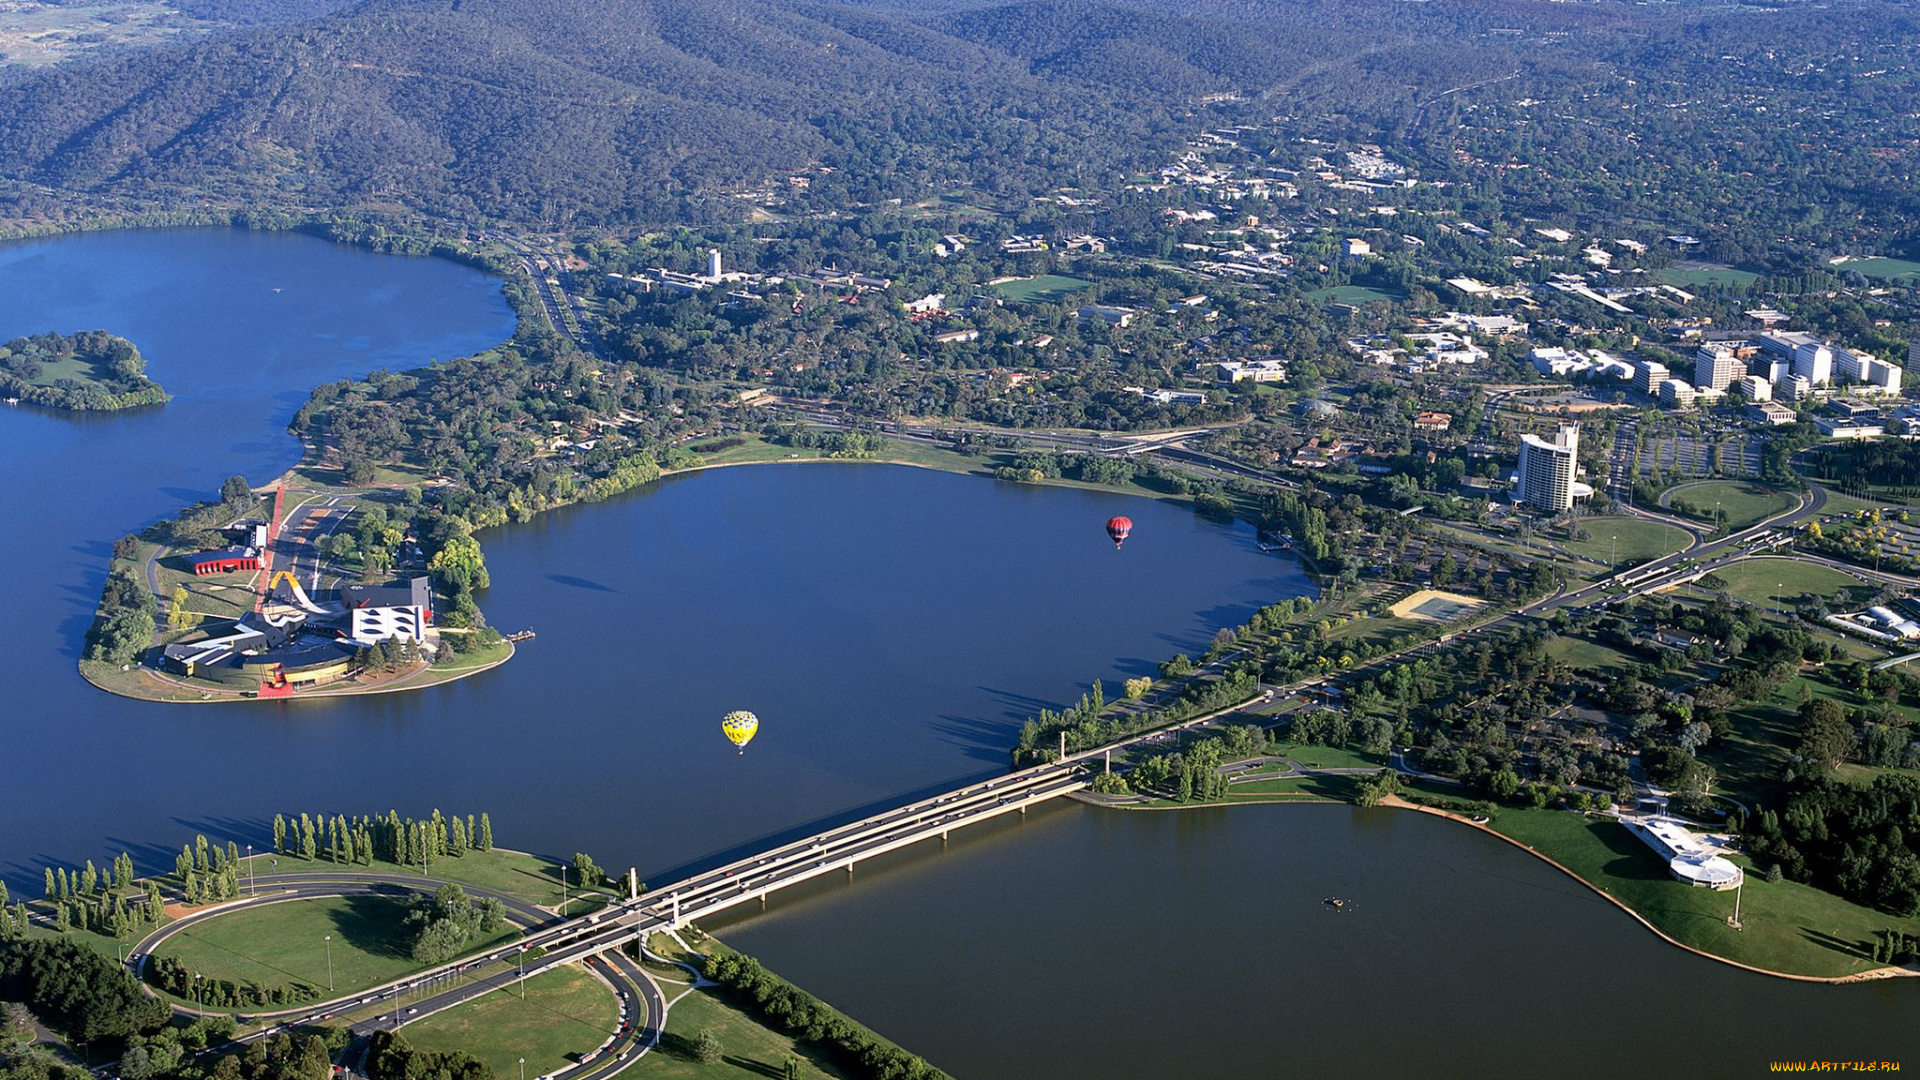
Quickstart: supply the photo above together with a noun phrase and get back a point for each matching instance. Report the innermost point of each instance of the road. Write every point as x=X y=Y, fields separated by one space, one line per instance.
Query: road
x=550 y=943
x=840 y=848
x=297 y=545
x=550 y=286
x=643 y=1006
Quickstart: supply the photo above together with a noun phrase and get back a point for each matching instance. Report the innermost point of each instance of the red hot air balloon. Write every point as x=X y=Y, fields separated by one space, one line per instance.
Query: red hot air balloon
x=1118 y=528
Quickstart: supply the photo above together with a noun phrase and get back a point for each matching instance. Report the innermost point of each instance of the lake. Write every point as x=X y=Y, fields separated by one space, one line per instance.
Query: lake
x=1090 y=943
x=891 y=626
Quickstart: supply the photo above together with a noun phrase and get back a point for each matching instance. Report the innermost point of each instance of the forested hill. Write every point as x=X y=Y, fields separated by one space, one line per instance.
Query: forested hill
x=558 y=111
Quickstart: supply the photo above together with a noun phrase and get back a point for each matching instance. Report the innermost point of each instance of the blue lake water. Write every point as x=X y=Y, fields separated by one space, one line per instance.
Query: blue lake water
x=891 y=626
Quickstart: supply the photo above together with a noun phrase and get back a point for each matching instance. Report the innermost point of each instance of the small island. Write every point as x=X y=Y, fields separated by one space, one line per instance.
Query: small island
x=88 y=371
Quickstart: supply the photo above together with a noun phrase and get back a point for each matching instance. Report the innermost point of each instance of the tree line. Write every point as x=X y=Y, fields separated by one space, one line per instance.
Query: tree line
x=389 y=838
x=115 y=378
x=790 y=1009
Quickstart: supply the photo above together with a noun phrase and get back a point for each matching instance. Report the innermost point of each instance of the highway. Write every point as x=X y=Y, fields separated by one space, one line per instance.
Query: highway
x=597 y=938
x=839 y=849
x=643 y=1006
x=601 y=934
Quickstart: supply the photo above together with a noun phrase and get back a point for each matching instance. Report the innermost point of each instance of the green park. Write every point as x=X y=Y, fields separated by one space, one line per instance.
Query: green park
x=1621 y=542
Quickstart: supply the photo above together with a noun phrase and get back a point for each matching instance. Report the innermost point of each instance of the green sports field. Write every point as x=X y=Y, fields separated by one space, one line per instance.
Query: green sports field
x=1045 y=289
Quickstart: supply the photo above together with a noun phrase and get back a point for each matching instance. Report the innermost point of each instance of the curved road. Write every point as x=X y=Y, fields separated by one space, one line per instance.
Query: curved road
x=643 y=1005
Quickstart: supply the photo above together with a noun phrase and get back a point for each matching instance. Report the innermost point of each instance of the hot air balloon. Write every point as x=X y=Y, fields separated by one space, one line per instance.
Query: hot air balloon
x=739 y=726
x=1118 y=528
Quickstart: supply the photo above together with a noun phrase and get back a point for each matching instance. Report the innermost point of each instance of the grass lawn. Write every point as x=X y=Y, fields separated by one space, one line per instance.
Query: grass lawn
x=1526 y=552
x=1330 y=757
x=69 y=367
x=567 y=1013
x=512 y=873
x=1370 y=630
x=1044 y=289
x=1789 y=927
x=1591 y=656
x=1340 y=788
x=1847 y=504
x=748 y=1048
x=1755 y=752
x=1745 y=503
x=1356 y=294
x=757 y=451
x=1699 y=276
x=1278 y=789
x=285 y=943
x=214 y=597
x=1630 y=541
x=1769 y=582
x=1904 y=271
x=468 y=659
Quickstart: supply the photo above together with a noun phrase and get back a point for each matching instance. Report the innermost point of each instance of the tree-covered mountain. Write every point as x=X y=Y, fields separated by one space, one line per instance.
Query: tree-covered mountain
x=579 y=112
x=604 y=110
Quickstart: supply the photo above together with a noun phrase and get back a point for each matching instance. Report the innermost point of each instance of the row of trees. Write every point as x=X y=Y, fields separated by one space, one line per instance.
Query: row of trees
x=389 y=839
x=171 y=975
x=391 y=1057
x=1086 y=728
x=790 y=1009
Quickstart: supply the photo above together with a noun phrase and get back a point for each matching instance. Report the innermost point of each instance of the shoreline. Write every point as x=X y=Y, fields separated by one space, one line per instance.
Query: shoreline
x=1875 y=975
x=332 y=691
x=1394 y=802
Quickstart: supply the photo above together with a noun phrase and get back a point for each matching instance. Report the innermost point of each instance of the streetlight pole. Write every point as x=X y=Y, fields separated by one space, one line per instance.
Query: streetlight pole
x=329 y=963
x=523 y=973
x=523 y=1069
x=1734 y=921
x=563 y=890
x=251 y=888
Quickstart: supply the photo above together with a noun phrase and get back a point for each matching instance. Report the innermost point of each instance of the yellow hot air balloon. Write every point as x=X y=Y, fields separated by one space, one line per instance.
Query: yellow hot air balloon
x=740 y=726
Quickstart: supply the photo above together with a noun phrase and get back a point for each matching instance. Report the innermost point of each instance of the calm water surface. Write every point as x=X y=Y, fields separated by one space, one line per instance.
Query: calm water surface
x=1085 y=943
x=891 y=626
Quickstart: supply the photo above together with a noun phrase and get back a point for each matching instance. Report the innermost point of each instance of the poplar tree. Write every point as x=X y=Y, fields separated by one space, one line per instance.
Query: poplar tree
x=485 y=842
x=279 y=834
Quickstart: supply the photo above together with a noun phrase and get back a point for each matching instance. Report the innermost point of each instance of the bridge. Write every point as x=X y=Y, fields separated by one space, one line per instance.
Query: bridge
x=598 y=937
x=837 y=850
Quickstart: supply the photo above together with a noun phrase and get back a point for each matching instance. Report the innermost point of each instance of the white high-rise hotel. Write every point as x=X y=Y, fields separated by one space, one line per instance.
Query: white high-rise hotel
x=1547 y=469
